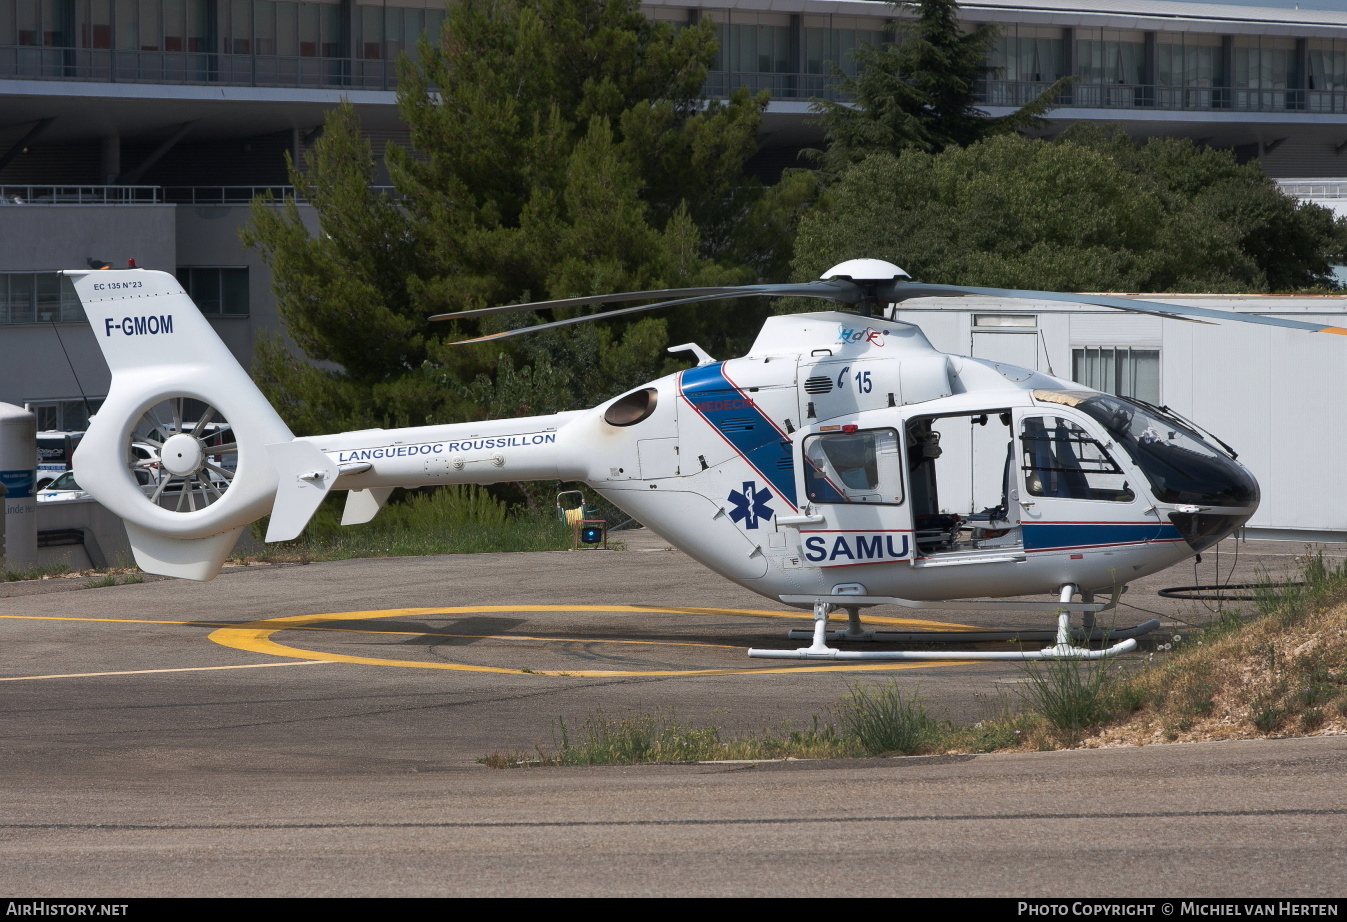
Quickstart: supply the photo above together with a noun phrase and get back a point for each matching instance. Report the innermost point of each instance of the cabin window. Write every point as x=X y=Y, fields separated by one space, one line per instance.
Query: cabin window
x=1062 y=460
x=860 y=466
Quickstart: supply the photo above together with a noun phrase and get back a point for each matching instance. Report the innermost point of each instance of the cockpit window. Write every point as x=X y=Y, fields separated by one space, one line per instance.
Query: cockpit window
x=1063 y=460
x=1179 y=464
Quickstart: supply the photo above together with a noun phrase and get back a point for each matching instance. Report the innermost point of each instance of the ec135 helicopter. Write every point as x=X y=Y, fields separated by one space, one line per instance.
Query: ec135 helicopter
x=827 y=469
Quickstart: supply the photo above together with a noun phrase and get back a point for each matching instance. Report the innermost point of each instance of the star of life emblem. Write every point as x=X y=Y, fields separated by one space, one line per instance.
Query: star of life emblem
x=750 y=504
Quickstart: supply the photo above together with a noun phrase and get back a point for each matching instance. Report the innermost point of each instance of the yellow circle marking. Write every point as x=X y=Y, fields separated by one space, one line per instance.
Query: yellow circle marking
x=255 y=637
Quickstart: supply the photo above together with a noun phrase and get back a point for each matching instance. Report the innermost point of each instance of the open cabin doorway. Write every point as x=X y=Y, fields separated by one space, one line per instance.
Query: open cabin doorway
x=961 y=470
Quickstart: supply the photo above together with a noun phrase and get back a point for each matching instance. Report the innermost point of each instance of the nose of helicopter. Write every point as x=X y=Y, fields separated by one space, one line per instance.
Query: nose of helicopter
x=1221 y=495
x=1203 y=528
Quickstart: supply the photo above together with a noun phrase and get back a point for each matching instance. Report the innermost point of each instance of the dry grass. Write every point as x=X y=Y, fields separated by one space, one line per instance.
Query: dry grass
x=1284 y=673
x=1278 y=670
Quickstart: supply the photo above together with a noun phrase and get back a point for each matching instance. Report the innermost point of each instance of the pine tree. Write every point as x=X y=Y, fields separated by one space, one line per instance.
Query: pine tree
x=920 y=92
x=558 y=148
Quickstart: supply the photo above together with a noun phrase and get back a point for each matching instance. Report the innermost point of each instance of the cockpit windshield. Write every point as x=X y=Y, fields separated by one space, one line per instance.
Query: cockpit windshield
x=1181 y=466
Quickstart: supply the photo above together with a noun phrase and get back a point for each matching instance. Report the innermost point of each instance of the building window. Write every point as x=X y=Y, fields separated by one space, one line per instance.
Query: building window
x=71 y=415
x=1119 y=370
x=38 y=297
x=1028 y=53
x=751 y=43
x=832 y=41
x=216 y=290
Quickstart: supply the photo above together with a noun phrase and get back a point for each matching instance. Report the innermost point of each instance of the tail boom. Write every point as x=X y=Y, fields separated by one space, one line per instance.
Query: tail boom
x=375 y=460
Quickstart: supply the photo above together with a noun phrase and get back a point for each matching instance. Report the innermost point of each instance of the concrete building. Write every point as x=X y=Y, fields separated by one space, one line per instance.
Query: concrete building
x=142 y=128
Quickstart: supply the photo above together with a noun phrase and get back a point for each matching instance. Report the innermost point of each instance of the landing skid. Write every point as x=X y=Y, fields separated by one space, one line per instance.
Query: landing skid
x=1078 y=635
x=1064 y=639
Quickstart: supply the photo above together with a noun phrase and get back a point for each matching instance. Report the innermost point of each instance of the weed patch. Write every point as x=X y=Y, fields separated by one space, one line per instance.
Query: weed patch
x=113 y=579
x=1071 y=695
x=882 y=719
x=11 y=576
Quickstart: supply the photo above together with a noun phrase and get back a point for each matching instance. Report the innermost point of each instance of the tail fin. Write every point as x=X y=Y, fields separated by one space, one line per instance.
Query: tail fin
x=202 y=472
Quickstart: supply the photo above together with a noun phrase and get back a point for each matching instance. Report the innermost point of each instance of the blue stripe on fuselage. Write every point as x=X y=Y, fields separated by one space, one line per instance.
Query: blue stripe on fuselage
x=1059 y=535
x=737 y=418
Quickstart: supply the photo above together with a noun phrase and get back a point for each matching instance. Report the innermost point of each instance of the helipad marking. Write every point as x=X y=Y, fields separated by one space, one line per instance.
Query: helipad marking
x=255 y=637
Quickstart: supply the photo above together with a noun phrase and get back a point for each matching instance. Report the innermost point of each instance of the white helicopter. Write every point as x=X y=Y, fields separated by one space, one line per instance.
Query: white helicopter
x=810 y=471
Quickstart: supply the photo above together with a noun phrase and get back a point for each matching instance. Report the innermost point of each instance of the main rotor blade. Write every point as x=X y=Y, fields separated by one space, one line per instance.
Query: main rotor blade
x=897 y=291
x=841 y=290
x=664 y=293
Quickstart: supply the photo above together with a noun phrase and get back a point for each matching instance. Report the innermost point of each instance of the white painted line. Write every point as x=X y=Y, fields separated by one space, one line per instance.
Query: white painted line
x=85 y=675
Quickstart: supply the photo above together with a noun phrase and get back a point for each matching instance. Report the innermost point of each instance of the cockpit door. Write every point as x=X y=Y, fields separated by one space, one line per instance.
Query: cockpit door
x=853 y=478
x=1069 y=489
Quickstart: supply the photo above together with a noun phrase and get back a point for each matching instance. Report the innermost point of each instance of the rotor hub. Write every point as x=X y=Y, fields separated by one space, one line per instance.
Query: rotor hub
x=182 y=454
x=866 y=270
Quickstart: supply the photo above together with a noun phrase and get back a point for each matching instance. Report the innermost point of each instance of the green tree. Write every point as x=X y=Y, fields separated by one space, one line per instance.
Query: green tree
x=920 y=92
x=557 y=148
x=1093 y=214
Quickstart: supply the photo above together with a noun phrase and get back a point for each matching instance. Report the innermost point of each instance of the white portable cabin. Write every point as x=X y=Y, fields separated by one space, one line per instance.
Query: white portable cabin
x=1277 y=397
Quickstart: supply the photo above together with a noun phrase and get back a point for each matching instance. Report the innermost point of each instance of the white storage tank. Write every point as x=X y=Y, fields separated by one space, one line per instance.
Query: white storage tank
x=18 y=469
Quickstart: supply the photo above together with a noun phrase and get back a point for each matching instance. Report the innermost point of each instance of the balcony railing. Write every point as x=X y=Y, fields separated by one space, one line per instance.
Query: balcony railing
x=1149 y=96
x=80 y=195
x=1080 y=95
x=106 y=66
x=781 y=86
x=151 y=195
x=238 y=195
x=1314 y=188
x=223 y=195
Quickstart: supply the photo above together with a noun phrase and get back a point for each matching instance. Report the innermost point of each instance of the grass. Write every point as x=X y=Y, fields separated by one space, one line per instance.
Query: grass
x=113 y=579
x=882 y=720
x=448 y=520
x=116 y=576
x=11 y=576
x=873 y=720
x=1281 y=671
x=1070 y=695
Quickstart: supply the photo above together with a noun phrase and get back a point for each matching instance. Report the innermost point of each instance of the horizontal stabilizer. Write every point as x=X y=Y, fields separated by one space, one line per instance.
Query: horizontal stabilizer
x=185 y=558
x=364 y=505
x=304 y=476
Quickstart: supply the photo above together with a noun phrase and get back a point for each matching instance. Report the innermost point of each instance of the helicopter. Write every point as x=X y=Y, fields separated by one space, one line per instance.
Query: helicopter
x=826 y=469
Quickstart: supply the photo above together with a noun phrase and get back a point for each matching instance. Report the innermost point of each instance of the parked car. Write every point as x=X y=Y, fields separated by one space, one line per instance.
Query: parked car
x=60 y=489
x=145 y=457
x=55 y=454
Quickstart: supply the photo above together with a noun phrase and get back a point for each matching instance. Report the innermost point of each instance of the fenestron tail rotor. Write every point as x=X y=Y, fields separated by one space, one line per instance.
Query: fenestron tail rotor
x=188 y=465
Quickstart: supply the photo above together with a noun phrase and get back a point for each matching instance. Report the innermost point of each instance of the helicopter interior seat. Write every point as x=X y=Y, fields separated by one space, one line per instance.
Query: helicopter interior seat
x=1044 y=468
x=993 y=527
x=1072 y=480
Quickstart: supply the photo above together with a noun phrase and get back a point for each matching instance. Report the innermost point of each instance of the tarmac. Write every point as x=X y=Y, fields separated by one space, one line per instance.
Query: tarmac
x=316 y=730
